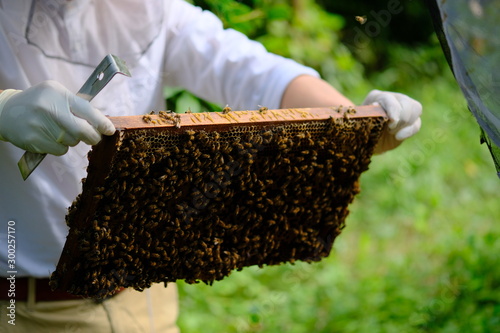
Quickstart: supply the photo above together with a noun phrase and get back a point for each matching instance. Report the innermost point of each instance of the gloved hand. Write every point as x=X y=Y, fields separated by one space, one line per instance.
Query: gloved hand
x=48 y=118
x=404 y=117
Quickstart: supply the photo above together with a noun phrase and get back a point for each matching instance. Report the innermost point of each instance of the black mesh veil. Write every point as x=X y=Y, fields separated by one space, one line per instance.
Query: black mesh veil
x=470 y=36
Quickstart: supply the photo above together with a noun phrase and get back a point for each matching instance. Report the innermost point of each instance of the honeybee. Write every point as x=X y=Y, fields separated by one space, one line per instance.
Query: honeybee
x=226 y=109
x=124 y=174
x=76 y=267
x=85 y=245
x=361 y=19
x=177 y=120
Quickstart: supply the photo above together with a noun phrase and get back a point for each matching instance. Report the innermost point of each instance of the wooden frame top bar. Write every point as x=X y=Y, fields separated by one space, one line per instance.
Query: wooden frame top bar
x=248 y=117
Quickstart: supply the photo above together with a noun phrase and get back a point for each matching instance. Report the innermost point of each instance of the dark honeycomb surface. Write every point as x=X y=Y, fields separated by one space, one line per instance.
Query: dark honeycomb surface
x=195 y=204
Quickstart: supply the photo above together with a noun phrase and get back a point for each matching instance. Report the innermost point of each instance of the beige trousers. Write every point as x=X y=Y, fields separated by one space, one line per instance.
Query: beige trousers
x=153 y=310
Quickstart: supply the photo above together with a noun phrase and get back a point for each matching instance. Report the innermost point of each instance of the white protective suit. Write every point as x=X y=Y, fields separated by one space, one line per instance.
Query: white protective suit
x=164 y=42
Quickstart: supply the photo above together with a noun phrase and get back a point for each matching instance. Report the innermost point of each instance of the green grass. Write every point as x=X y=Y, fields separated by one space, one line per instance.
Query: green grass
x=420 y=252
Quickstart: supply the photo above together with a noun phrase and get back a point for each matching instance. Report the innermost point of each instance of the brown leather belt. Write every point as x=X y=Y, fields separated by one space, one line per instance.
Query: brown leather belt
x=19 y=291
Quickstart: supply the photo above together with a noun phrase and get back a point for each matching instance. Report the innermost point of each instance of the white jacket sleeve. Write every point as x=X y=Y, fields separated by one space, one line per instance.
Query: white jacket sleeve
x=223 y=65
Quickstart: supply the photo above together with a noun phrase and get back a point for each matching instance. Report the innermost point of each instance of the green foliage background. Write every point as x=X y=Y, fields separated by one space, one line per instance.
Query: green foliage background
x=420 y=252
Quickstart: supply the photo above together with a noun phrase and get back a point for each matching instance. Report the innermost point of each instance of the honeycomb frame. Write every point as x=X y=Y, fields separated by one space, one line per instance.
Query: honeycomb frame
x=195 y=196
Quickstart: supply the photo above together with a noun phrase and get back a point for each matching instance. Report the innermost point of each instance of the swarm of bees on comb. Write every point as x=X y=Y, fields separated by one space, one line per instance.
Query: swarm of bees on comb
x=196 y=196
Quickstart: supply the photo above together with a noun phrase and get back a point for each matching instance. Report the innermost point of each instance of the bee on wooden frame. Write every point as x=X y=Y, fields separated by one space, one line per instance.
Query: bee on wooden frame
x=226 y=109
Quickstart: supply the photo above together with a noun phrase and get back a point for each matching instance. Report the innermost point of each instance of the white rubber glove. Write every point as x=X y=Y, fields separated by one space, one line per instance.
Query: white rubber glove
x=404 y=117
x=48 y=118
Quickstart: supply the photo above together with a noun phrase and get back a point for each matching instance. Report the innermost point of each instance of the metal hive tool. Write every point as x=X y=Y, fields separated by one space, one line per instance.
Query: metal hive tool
x=194 y=196
x=100 y=77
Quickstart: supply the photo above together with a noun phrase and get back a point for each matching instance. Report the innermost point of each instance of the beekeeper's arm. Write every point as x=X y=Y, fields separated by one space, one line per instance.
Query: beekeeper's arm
x=403 y=111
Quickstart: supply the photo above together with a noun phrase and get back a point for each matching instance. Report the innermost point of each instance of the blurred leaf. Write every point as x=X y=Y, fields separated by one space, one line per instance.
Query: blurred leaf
x=279 y=12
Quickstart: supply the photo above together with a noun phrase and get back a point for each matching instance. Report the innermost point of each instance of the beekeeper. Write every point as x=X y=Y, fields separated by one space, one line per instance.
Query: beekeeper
x=48 y=48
